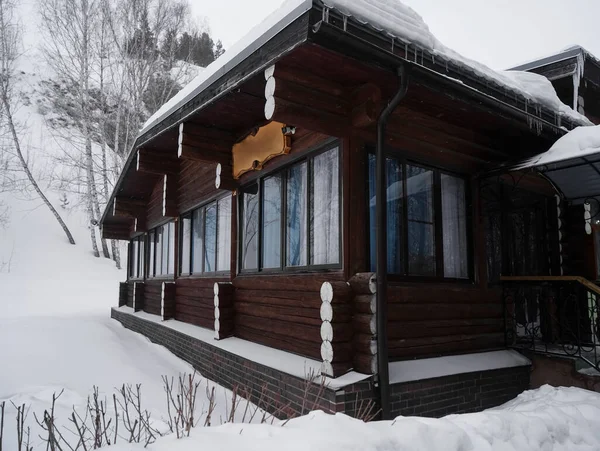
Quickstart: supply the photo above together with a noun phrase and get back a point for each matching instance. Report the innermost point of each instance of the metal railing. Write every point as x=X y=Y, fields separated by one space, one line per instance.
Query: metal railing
x=553 y=315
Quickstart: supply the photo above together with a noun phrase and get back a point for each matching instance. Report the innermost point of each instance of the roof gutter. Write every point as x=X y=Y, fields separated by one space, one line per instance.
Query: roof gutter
x=363 y=40
x=381 y=249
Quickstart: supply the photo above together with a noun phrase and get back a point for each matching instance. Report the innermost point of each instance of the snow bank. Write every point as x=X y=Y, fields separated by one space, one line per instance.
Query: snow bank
x=580 y=142
x=391 y=17
x=548 y=419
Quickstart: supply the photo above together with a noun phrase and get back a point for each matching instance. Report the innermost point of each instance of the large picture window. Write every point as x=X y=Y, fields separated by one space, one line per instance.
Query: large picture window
x=292 y=219
x=426 y=221
x=161 y=251
x=137 y=257
x=206 y=239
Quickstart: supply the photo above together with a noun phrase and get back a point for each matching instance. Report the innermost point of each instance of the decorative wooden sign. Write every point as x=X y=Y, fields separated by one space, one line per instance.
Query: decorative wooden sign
x=256 y=149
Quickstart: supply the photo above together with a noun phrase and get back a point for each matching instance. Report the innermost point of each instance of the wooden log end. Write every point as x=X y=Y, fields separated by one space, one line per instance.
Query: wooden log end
x=326 y=292
x=326 y=312
x=327 y=352
x=269 y=72
x=269 y=107
x=216 y=290
x=327 y=369
x=270 y=87
x=326 y=331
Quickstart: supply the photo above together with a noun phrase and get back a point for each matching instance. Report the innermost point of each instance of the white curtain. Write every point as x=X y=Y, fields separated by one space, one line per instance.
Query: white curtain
x=454 y=226
x=224 y=235
x=271 y=228
x=325 y=212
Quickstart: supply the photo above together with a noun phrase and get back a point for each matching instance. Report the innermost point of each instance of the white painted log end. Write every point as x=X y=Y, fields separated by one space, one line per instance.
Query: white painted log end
x=218 y=182
x=217 y=335
x=216 y=300
x=179 y=150
x=326 y=292
x=219 y=169
x=327 y=369
x=326 y=312
x=217 y=313
x=269 y=72
x=269 y=108
x=181 y=127
x=270 y=87
x=373 y=325
x=217 y=325
x=326 y=331
x=373 y=284
x=327 y=352
x=137 y=163
x=216 y=288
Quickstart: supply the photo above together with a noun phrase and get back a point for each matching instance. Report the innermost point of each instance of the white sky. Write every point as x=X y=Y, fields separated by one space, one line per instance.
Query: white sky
x=499 y=33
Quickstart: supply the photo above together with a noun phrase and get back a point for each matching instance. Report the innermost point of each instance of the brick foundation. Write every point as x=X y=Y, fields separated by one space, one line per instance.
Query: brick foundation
x=461 y=393
x=283 y=393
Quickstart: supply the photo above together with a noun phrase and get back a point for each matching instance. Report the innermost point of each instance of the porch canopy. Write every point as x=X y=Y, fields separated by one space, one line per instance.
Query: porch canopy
x=572 y=164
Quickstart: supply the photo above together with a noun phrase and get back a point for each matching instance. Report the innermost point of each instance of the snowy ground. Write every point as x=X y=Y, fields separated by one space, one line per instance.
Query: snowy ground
x=545 y=419
x=55 y=326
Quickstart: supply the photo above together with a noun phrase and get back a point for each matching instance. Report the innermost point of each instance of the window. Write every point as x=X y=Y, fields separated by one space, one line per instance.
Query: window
x=206 y=239
x=292 y=219
x=426 y=221
x=161 y=243
x=137 y=258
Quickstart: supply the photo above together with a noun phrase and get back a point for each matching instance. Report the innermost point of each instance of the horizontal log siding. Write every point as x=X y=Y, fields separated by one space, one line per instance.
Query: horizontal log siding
x=195 y=302
x=431 y=320
x=283 y=312
x=129 y=294
x=152 y=296
x=196 y=183
x=154 y=214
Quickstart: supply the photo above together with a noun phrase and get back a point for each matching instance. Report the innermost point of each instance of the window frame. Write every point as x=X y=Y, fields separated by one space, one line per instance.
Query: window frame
x=190 y=214
x=141 y=258
x=282 y=172
x=437 y=222
x=151 y=266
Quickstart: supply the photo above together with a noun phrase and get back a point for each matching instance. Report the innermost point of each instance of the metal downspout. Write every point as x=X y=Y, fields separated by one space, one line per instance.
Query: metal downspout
x=381 y=240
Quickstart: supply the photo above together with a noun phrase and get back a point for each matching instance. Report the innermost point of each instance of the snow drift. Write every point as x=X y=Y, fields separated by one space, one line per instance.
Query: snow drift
x=549 y=419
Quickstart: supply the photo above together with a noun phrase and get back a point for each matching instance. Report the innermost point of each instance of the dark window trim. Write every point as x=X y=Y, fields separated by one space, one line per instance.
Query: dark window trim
x=141 y=257
x=151 y=265
x=437 y=218
x=215 y=199
x=305 y=156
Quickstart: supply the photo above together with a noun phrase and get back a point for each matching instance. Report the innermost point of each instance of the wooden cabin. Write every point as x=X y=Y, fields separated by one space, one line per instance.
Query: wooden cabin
x=250 y=206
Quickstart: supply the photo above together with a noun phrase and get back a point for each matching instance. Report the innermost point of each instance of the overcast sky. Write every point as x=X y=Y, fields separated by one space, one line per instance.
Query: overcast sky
x=499 y=33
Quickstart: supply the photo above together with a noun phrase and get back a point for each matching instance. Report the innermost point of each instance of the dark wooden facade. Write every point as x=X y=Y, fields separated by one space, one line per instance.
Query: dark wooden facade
x=331 y=91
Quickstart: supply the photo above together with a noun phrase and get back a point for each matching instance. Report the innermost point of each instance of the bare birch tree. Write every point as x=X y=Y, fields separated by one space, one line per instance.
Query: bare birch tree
x=70 y=27
x=9 y=51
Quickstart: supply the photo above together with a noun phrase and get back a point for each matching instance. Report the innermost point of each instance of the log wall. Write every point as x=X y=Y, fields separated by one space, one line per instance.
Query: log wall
x=152 y=296
x=284 y=312
x=429 y=320
x=194 y=301
x=196 y=183
x=154 y=214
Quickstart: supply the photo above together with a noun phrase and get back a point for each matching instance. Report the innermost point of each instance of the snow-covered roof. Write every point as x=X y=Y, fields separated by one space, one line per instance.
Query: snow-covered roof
x=572 y=164
x=578 y=143
x=567 y=53
x=390 y=17
x=255 y=39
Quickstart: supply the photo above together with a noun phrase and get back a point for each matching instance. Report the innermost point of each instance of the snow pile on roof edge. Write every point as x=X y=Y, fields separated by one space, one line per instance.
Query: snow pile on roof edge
x=579 y=142
x=388 y=16
x=402 y=22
